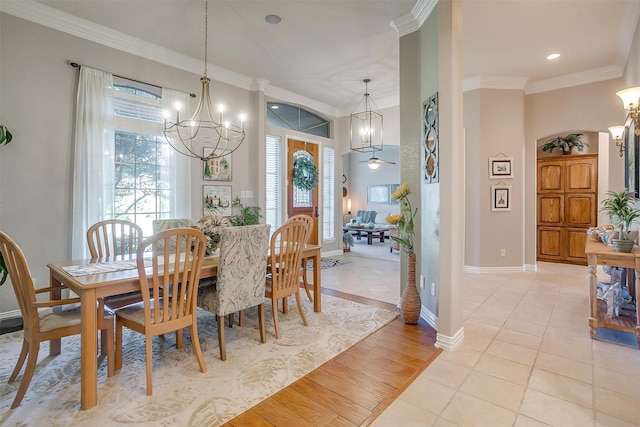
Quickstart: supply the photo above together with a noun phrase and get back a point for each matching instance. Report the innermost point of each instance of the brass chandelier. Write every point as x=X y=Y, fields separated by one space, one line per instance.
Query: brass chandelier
x=204 y=129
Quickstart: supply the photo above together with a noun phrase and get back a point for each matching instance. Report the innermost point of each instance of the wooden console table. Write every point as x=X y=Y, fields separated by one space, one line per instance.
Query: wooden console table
x=600 y=254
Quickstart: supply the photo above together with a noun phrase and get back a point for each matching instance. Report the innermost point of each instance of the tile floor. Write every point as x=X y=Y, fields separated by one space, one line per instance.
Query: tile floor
x=527 y=358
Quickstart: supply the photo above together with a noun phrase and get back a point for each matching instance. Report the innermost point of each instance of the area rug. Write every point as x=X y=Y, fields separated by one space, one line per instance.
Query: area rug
x=182 y=395
x=628 y=339
x=327 y=263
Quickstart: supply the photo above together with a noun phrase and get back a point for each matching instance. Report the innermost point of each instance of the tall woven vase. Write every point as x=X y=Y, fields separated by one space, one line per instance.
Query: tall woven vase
x=410 y=302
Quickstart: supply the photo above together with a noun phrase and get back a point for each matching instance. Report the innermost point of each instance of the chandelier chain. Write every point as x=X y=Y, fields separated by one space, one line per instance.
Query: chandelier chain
x=206 y=34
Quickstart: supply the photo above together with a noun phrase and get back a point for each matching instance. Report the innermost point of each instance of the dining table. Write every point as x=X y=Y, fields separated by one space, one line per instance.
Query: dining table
x=97 y=278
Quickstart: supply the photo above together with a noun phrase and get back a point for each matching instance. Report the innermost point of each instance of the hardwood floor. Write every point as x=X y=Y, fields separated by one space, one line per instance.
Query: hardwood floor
x=356 y=386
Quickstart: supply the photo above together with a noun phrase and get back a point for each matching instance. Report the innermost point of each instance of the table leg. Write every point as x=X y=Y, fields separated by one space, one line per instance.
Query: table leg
x=55 y=346
x=382 y=237
x=89 y=350
x=593 y=282
x=317 y=292
x=369 y=237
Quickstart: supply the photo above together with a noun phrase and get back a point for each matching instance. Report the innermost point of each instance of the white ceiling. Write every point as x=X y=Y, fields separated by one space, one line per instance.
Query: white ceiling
x=323 y=49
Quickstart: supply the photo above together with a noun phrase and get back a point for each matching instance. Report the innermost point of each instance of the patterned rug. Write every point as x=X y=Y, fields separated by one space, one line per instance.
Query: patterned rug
x=182 y=395
x=327 y=263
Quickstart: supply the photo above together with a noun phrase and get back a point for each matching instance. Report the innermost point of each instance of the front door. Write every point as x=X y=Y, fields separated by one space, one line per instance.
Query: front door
x=302 y=201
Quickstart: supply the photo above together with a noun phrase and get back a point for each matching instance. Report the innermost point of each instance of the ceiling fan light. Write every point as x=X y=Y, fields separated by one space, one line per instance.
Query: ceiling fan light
x=373 y=165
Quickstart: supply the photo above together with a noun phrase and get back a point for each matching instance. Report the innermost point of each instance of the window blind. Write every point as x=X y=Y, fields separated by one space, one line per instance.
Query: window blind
x=273 y=205
x=328 y=192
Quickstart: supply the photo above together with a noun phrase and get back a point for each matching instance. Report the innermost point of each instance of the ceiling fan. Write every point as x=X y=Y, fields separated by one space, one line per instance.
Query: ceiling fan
x=375 y=162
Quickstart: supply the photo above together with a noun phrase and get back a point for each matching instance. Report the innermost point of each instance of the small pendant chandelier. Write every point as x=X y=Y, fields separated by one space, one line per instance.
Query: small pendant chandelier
x=204 y=129
x=366 y=125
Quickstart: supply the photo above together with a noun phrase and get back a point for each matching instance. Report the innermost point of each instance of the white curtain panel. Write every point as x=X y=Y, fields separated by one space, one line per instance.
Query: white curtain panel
x=93 y=158
x=181 y=164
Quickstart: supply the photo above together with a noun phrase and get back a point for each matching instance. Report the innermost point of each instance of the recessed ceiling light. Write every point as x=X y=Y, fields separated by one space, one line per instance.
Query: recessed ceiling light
x=273 y=19
x=553 y=56
x=274 y=107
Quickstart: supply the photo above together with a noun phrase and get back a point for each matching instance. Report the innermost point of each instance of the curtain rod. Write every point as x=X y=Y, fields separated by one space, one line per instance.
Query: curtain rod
x=76 y=65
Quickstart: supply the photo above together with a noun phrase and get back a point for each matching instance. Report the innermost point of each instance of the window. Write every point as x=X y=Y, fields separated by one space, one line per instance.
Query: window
x=292 y=117
x=328 y=200
x=143 y=178
x=273 y=211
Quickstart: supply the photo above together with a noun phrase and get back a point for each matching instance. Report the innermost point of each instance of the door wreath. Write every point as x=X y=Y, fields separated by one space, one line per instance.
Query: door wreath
x=305 y=173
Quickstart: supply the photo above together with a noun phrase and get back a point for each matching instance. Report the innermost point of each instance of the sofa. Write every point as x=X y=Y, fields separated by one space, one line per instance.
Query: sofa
x=378 y=218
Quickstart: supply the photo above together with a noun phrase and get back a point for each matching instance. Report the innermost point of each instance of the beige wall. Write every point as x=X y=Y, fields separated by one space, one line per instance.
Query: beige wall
x=495 y=121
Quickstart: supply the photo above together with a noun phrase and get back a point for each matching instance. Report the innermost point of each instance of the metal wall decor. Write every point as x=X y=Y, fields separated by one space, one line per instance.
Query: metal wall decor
x=430 y=140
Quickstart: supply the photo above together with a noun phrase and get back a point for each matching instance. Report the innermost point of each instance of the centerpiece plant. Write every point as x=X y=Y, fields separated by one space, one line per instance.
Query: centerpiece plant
x=620 y=206
x=211 y=226
x=410 y=303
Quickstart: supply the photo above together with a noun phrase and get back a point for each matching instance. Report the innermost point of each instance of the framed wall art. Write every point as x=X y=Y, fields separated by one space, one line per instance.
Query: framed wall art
x=500 y=197
x=218 y=169
x=500 y=167
x=216 y=200
x=378 y=194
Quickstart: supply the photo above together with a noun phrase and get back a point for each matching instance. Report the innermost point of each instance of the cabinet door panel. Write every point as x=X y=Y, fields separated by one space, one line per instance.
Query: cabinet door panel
x=550 y=243
x=581 y=175
x=550 y=177
x=550 y=209
x=577 y=238
x=580 y=210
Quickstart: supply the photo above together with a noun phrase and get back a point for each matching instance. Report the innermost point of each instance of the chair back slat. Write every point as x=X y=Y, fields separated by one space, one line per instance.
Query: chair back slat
x=113 y=237
x=174 y=273
x=287 y=244
x=305 y=219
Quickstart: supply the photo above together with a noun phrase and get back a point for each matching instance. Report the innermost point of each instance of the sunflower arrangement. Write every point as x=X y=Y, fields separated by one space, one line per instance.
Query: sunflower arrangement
x=211 y=226
x=404 y=220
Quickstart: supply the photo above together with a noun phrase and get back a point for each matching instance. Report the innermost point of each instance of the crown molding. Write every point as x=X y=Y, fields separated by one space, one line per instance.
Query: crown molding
x=494 y=82
x=575 y=79
x=412 y=21
x=82 y=28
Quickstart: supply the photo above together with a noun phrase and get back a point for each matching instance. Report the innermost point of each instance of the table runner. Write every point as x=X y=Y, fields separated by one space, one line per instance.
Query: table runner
x=102 y=267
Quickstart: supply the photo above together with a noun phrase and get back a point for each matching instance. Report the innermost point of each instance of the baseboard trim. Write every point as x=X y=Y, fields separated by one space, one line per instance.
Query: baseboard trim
x=475 y=269
x=10 y=314
x=449 y=343
x=429 y=317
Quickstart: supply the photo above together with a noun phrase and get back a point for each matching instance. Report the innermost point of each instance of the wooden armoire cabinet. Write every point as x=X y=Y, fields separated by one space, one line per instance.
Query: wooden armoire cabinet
x=566 y=206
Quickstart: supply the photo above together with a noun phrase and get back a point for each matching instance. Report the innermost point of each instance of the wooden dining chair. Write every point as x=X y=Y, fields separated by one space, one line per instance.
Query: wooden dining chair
x=42 y=320
x=113 y=237
x=174 y=274
x=303 y=269
x=241 y=278
x=285 y=253
x=109 y=238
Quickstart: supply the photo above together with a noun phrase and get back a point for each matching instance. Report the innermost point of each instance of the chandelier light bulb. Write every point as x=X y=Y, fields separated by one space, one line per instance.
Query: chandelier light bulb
x=203 y=128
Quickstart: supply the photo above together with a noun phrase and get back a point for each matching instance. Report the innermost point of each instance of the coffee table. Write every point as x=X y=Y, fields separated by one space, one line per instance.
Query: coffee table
x=377 y=231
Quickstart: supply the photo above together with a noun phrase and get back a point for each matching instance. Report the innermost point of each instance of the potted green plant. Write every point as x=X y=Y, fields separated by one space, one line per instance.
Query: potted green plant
x=620 y=208
x=4 y=273
x=248 y=215
x=565 y=143
x=5 y=135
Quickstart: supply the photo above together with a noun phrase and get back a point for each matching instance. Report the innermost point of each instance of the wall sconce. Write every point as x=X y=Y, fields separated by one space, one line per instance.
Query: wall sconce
x=630 y=99
x=349 y=206
x=616 y=134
